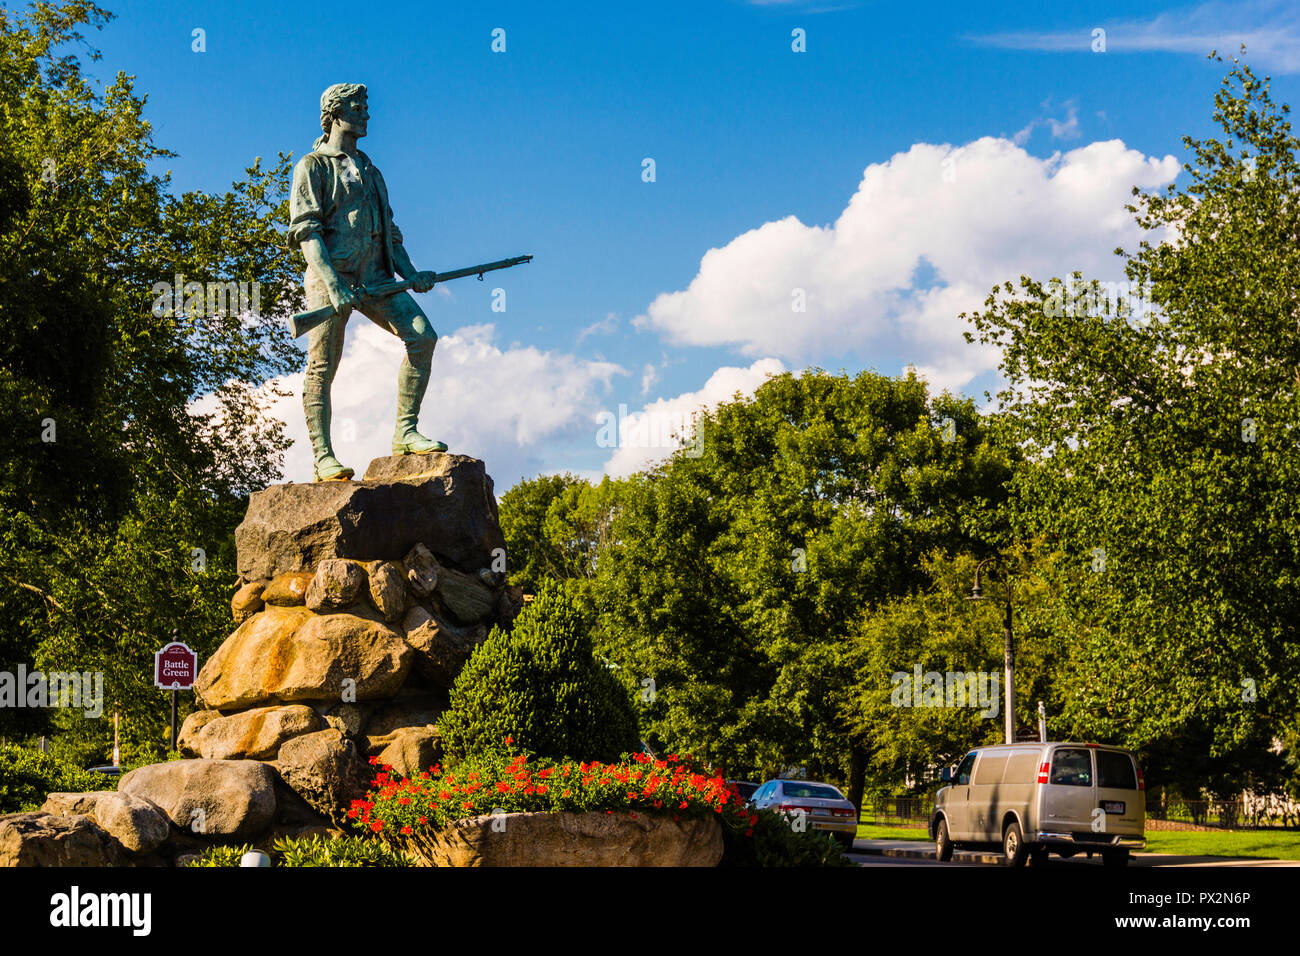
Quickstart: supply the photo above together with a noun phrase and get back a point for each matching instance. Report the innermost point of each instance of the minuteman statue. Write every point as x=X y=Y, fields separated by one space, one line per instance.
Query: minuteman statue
x=341 y=220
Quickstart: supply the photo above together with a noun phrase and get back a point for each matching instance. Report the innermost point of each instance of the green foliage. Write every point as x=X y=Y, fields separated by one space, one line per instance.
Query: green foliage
x=1165 y=445
x=771 y=841
x=158 y=415
x=311 y=851
x=540 y=685
x=940 y=630
x=554 y=527
x=735 y=574
x=27 y=777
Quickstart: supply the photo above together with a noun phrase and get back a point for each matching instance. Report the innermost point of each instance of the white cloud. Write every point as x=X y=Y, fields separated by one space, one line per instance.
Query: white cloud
x=649 y=375
x=1269 y=29
x=924 y=238
x=605 y=326
x=504 y=406
x=648 y=435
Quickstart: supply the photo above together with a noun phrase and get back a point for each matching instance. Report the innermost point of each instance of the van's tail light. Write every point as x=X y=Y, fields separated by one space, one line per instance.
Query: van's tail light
x=1042 y=772
x=1142 y=784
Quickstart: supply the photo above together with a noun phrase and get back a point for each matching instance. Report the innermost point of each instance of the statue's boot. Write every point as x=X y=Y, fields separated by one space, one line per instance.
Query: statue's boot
x=412 y=383
x=325 y=467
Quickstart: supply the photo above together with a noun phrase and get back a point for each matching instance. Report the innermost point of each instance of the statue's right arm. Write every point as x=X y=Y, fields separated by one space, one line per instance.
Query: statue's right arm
x=343 y=299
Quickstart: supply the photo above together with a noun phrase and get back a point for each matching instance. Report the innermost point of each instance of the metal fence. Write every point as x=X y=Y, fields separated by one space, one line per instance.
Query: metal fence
x=1243 y=812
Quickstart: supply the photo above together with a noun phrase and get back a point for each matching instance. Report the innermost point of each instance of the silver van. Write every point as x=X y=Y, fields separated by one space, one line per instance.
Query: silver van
x=1034 y=798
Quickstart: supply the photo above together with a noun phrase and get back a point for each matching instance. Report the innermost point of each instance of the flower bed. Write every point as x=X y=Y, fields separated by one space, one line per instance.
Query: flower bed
x=422 y=814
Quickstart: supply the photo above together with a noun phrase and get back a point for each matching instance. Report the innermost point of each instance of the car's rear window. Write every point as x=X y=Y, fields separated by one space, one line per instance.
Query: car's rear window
x=811 y=791
x=1115 y=770
x=1071 y=768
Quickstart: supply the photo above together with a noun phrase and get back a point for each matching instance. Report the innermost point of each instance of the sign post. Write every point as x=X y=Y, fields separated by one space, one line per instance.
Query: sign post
x=174 y=669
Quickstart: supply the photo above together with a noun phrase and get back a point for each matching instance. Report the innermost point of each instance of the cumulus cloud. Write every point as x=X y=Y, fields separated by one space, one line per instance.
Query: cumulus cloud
x=653 y=432
x=924 y=238
x=504 y=406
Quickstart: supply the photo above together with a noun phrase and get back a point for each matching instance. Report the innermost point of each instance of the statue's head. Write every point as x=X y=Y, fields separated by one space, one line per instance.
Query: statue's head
x=345 y=104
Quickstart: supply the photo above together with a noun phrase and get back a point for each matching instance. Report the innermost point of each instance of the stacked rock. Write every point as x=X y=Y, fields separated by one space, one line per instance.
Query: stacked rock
x=358 y=604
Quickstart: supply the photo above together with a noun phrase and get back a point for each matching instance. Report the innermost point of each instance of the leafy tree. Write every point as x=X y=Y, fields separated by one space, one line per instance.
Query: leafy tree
x=131 y=429
x=1165 y=455
x=736 y=573
x=554 y=526
x=540 y=686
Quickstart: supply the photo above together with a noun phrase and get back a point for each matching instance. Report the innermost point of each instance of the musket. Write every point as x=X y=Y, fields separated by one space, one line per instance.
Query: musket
x=304 y=322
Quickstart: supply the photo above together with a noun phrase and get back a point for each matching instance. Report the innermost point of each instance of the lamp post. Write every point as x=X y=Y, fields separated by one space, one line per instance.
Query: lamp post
x=1008 y=661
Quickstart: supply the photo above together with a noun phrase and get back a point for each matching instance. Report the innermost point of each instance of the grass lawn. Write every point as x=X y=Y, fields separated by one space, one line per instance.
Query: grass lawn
x=1267 y=844
x=1272 y=844
x=867 y=831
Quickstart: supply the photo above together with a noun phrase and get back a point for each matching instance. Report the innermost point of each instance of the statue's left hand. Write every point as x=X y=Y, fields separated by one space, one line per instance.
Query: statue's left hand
x=423 y=281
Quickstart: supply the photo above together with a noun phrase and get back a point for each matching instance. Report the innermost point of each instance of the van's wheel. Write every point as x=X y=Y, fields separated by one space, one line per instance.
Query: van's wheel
x=1038 y=856
x=1014 y=850
x=1114 y=857
x=942 y=844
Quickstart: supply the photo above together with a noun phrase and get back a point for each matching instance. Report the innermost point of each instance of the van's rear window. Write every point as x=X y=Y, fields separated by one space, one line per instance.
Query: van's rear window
x=1115 y=770
x=1072 y=768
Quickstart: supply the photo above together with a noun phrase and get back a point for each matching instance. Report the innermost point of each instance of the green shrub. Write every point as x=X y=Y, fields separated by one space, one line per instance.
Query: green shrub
x=311 y=851
x=541 y=685
x=27 y=777
x=771 y=841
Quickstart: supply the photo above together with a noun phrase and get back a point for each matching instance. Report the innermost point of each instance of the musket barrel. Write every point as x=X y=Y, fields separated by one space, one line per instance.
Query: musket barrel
x=303 y=322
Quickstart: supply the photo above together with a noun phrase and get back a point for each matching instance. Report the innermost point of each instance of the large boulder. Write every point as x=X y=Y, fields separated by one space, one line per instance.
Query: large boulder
x=324 y=769
x=442 y=649
x=214 y=798
x=254 y=734
x=574 y=839
x=291 y=654
x=47 y=839
x=136 y=823
x=444 y=501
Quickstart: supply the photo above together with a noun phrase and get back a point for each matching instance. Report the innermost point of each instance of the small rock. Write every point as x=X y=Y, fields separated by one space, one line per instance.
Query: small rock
x=442 y=649
x=388 y=588
x=73 y=804
x=422 y=571
x=412 y=750
x=337 y=583
x=465 y=596
x=288 y=589
x=247 y=601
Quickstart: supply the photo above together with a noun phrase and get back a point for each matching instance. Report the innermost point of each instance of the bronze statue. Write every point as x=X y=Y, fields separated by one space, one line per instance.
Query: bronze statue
x=341 y=220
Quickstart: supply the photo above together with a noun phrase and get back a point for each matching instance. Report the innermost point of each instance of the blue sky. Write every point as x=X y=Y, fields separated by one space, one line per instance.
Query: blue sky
x=909 y=159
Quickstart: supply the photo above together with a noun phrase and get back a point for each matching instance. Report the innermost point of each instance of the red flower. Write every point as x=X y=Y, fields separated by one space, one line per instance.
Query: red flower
x=424 y=819
x=406 y=831
x=510 y=740
x=377 y=825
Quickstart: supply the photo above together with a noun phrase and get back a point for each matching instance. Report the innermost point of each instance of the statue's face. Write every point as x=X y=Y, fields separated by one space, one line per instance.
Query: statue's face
x=354 y=115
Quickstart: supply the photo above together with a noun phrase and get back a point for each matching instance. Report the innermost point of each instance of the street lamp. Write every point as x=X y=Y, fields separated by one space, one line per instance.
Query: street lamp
x=1008 y=662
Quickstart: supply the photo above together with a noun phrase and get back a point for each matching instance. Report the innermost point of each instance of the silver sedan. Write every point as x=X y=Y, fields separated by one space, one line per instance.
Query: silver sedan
x=823 y=806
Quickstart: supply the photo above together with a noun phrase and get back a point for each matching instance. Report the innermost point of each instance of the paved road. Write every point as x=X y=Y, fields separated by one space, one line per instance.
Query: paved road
x=917 y=853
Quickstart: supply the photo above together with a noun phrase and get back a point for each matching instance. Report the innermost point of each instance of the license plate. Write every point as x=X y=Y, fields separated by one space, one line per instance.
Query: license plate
x=1113 y=806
